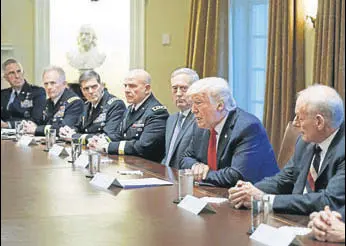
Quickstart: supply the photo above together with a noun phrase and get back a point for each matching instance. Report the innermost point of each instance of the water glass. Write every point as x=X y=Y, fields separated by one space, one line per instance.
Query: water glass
x=94 y=163
x=19 y=126
x=76 y=149
x=185 y=179
x=260 y=209
x=50 y=138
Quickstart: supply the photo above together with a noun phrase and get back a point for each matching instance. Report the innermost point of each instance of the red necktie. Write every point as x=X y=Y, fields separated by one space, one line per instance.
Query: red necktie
x=313 y=172
x=212 y=150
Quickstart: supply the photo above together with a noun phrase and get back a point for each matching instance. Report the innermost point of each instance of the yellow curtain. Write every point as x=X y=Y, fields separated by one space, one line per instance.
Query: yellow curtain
x=285 y=66
x=329 y=66
x=207 y=45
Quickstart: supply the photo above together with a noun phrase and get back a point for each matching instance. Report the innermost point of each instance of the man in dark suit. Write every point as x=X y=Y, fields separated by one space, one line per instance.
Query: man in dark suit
x=22 y=101
x=179 y=125
x=63 y=106
x=102 y=111
x=315 y=175
x=228 y=144
x=142 y=130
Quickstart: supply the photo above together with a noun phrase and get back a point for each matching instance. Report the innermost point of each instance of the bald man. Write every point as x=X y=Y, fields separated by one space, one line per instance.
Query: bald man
x=142 y=130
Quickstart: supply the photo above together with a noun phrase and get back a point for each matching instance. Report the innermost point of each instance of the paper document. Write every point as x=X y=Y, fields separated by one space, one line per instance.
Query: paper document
x=299 y=231
x=138 y=183
x=6 y=131
x=214 y=199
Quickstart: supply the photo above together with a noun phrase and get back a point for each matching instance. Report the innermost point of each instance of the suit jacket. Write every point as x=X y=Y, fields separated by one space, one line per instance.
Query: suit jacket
x=143 y=131
x=183 y=139
x=342 y=212
x=66 y=111
x=289 y=184
x=32 y=100
x=105 y=118
x=244 y=151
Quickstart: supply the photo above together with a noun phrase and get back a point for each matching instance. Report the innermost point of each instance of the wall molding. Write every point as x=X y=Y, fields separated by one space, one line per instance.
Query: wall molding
x=42 y=48
x=137 y=33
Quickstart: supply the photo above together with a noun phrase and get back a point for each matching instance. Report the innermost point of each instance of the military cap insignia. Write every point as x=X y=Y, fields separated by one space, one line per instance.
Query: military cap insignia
x=155 y=108
x=72 y=99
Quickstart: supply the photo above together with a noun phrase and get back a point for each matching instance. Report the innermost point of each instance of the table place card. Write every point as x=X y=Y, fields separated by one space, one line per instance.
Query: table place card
x=195 y=205
x=58 y=150
x=271 y=236
x=69 y=150
x=102 y=180
x=82 y=161
x=27 y=140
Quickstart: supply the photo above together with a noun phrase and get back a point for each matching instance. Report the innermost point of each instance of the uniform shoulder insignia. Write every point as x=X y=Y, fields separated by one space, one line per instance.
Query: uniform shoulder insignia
x=113 y=99
x=72 y=99
x=158 y=107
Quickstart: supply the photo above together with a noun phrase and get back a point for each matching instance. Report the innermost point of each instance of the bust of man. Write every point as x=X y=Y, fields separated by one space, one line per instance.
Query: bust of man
x=87 y=57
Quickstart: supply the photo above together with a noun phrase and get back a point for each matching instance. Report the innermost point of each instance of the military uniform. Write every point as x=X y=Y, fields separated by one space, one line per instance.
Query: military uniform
x=66 y=111
x=105 y=118
x=142 y=132
x=28 y=105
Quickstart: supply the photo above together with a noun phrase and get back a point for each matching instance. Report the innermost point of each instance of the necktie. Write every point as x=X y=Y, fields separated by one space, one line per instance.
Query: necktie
x=92 y=111
x=313 y=172
x=212 y=162
x=174 y=138
x=15 y=105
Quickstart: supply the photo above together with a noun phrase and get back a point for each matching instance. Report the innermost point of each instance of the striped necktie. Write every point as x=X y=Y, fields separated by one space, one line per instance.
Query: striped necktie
x=313 y=171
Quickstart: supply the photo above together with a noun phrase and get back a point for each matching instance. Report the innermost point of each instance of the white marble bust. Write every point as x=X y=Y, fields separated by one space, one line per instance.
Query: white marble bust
x=87 y=56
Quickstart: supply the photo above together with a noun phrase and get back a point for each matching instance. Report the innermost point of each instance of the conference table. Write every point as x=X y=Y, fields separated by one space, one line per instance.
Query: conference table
x=45 y=200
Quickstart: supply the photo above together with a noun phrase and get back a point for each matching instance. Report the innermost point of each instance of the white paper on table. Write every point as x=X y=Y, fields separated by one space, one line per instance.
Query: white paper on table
x=138 y=183
x=298 y=231
x=8 y=131
x=217 y=200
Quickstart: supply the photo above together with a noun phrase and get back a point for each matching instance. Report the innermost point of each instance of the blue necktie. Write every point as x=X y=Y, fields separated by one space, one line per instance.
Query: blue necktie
x=15 y=105
x=174 y=138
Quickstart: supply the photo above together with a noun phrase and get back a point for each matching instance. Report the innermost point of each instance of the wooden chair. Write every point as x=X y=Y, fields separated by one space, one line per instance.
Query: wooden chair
x=288 y=143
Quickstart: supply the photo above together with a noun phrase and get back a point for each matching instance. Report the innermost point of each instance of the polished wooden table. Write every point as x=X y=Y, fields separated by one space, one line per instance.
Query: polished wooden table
x=47 y=201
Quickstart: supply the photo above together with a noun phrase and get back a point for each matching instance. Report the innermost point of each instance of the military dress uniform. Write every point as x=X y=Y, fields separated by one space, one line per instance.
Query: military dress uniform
x=105 y=118
x=66 y=111
x=142 y=132
x=27 y=105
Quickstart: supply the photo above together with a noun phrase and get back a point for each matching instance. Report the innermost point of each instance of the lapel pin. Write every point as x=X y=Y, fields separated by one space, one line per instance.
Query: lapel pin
x=226 y=136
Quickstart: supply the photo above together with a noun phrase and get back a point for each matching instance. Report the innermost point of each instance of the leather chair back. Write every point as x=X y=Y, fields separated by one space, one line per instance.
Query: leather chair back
x=288 y=144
